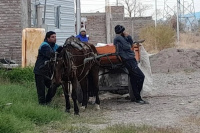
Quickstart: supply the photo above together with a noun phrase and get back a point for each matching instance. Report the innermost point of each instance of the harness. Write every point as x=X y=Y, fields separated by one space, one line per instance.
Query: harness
x=68 y=58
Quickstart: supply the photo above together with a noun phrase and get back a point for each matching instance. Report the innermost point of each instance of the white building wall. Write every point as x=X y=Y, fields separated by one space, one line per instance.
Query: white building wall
x=64 y=25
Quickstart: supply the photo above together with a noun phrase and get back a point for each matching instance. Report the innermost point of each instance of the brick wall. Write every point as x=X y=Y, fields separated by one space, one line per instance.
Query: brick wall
x=96 y=27
x=96 y=24
x=13 y=18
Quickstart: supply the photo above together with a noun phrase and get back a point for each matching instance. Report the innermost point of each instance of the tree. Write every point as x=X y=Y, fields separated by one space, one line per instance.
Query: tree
x=130 y=6
x=142 y=8
x=158 y=13
x=135 y=8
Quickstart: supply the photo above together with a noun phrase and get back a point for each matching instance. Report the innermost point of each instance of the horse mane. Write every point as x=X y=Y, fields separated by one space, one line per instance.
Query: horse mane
x=76 y=43
x=92 y=47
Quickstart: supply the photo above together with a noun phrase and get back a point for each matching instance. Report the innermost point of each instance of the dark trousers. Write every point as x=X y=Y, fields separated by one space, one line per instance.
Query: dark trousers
x=41 y=84
x=136 y=77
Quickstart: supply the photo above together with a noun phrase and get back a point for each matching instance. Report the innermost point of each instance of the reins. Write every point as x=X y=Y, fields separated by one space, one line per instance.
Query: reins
x=69 y=58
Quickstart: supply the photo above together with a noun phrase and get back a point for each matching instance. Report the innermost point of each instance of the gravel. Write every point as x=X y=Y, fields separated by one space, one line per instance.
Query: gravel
x=174 y=103
x=175 y=97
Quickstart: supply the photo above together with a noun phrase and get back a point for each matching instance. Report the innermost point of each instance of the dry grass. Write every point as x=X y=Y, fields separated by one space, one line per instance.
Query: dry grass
x=165 y=37
x=189 y=41
x=159 y=38
x=120 y=128
x=194 y=120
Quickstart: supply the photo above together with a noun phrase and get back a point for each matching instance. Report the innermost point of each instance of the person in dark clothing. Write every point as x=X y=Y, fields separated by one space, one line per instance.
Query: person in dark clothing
x=82 y=35
x=42 y=74
x=123 y=43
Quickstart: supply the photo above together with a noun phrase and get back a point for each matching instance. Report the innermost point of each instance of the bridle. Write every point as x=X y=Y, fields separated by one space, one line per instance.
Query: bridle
x=67 y=58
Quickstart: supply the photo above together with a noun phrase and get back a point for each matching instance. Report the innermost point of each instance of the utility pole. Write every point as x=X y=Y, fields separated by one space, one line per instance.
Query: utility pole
x=78 y=16
x=156 y=13
x=117 y=2
x=187 y=14
x=45 y=5
x=178 y=8
x=168 y=10
x=39 y=16
x=108 y=26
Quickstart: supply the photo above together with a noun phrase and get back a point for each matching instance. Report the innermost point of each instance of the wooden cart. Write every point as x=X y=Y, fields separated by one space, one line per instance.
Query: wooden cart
x=113 y=76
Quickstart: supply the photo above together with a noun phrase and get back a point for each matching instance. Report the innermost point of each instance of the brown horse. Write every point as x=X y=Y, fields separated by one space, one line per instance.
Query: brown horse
x=69 y=66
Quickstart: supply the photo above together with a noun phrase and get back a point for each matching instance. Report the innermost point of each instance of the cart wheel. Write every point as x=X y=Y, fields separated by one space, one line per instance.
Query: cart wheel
x=132 y=97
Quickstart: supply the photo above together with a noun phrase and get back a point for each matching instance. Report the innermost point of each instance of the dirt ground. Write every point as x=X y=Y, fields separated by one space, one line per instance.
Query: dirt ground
x=174 y=101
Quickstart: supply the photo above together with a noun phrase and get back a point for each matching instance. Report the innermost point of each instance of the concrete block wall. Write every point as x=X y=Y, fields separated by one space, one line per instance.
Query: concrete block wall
x=117 y=9
x=133 y=26
x=96 y=24
x=96 y=27
x=13 y=18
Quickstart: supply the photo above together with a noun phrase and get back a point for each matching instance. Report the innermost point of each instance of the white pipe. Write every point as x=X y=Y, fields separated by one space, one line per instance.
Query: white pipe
x=78 y=16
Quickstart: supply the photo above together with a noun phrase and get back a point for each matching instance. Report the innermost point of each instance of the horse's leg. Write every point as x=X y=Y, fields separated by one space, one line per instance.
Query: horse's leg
x=90 y=88
x=51 y=92
x=66 y=93
x=84 y=87
x=95 y=76
x=74 y=95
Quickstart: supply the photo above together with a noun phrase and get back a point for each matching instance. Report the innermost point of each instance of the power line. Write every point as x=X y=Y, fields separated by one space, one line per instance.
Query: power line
x=96 y=9
x=168 y=10
x=187 y=14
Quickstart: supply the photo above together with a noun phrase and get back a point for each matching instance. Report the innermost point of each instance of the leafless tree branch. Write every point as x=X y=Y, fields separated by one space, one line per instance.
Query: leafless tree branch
x=135 y=8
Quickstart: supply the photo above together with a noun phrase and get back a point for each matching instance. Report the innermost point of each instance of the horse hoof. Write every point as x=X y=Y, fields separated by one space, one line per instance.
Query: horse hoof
x=97 y=106
x=91 y=100
x=82 y=108
x=67 y=111
x=76 y=114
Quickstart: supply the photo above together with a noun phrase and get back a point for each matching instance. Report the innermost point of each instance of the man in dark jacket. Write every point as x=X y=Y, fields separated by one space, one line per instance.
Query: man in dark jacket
x=42 y=77
x=123 y=43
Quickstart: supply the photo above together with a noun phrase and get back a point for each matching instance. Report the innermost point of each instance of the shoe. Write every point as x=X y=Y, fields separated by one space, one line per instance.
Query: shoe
x=141 y=102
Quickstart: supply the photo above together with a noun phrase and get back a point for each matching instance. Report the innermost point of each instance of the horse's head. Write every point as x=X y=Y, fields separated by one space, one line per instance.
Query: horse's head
x=57 y=69
x=61 y=67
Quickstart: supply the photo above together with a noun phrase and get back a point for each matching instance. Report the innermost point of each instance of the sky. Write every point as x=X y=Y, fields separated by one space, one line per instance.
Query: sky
x=91 y=6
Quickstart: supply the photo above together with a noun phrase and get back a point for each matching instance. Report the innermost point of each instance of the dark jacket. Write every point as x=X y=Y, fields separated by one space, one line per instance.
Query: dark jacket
x=44 y=54
x=82 y=38
x=123 y=47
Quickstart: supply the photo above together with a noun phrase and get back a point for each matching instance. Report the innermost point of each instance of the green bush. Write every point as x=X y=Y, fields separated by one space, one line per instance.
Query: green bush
x=18 y=74
x=159 y=38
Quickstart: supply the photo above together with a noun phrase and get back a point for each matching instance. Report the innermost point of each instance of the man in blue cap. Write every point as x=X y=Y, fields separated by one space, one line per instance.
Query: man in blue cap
x=123 y=43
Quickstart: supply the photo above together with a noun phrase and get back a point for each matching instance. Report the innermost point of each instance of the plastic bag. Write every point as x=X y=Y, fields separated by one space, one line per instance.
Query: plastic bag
x=145 y=66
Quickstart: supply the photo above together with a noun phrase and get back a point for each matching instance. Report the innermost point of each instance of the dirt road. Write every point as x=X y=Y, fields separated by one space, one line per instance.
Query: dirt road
x=175 y=100
x=175 y=103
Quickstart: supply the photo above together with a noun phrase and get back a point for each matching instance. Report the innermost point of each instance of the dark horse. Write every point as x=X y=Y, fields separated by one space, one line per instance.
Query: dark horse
x=69 y=66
